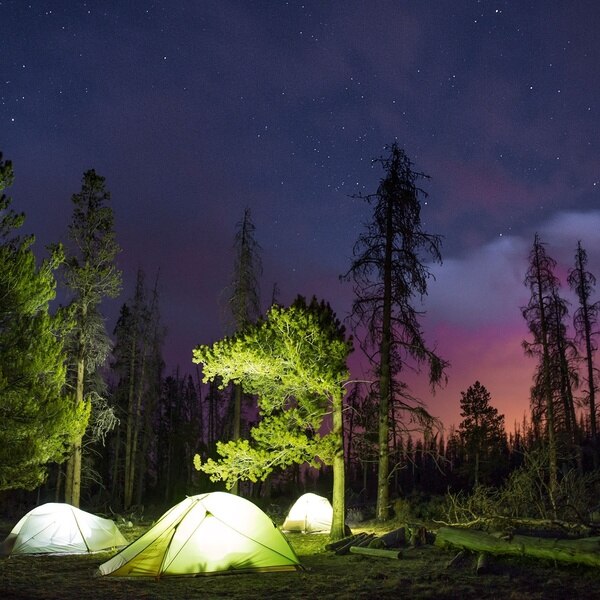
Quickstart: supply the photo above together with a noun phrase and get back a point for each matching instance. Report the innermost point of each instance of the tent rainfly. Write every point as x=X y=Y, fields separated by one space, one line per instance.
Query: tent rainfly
x=207 y=534
x=56 y=527
x=309 y=514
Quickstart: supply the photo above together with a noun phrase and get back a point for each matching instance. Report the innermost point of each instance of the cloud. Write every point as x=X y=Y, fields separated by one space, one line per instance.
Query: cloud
x=484 y=287
x=481 y=289
x=473 y=313
x=564 y=229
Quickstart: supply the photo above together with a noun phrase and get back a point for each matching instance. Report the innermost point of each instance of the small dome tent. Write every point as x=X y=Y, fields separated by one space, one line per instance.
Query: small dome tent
x=309 y=514
x=206 y=534
x=56 y=527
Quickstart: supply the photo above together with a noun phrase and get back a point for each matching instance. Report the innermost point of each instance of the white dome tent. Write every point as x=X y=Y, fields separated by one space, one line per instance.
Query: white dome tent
x=309 y=514
x=59 y=528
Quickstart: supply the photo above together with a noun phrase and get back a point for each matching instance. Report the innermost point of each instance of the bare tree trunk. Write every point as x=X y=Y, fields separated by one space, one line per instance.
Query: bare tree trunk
x=142 y=459
x=73 y=476
x=116 y=473
x=566 y=391
x=168 y=459
x=592 y=392
x=348 y=436
x=385 y=383
x=200 y=405
x=211 y=414
x=136 y=428
x=59 y=481
x=548 y=396
x=127 y=480
x=69 y=478
x=338 y=524
x=582 y=283
x=237 y=422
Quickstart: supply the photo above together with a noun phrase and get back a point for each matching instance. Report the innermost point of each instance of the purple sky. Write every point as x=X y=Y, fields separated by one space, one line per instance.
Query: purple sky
x=194 y=110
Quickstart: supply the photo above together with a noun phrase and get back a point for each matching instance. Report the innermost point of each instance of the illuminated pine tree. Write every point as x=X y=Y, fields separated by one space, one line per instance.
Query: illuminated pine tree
x=294 y=361
x=39 y=423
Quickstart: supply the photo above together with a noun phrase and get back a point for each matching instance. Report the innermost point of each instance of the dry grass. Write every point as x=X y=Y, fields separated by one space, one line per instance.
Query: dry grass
x=420 y=573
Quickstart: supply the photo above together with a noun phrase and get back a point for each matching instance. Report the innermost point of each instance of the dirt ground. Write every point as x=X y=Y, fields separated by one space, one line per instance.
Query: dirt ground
x=421 y=572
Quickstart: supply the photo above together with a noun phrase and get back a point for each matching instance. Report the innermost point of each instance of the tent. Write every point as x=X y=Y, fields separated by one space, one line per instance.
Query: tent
x=61 y=528
x=309 y=514
x=206 y=534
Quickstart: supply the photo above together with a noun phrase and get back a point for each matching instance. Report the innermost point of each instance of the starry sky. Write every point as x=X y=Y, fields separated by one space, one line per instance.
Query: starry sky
x=195 y=109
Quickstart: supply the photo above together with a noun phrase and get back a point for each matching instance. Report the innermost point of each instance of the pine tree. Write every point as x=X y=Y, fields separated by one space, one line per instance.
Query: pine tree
x=360 y=430
x=178 y=436
x=295 y=363
x=565 y=375
x=454 y=456
x=481 y=430
x=585 y=320
x=91 y=275
x=39 y=422
x=244 y=291
x=543 y=284
x=244 y=300
x=389 y=272
x=138 y=368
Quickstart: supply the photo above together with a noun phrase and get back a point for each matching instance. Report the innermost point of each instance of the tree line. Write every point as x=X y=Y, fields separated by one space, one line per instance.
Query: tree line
x=271 y=406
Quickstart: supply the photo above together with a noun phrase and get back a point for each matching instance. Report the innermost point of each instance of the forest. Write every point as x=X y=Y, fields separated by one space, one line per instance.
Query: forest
x=91 y=417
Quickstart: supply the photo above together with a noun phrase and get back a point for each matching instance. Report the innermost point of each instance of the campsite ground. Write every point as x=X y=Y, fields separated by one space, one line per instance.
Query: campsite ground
x=420 y=573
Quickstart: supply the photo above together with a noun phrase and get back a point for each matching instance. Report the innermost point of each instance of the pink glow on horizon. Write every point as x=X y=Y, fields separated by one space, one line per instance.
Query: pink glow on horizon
x=500 y=365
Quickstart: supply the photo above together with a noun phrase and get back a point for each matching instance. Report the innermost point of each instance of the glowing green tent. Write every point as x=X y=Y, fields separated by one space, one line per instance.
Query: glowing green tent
x=58 y=528
x=206 y=534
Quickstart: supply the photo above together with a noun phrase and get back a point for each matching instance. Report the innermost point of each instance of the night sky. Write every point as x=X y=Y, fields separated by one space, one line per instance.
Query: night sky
x=194 y=110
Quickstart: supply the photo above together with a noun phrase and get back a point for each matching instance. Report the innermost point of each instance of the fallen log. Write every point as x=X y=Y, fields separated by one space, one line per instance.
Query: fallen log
x=531 y=527
x=366 y=541
x=376 y=552
x=584 y=551
x=392 y=539
x=547 y=528
x=346 y=547
x=483 y=564
x=342 y=542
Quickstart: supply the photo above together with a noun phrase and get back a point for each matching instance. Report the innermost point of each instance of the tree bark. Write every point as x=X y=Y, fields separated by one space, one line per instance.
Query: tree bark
x=546 y=378
x=376 y=552
x=385 y=375
x=391 y=539
x=589 y=349
x=73 y=475
x=483 y=563
x=352 y=541
x=338 y=524
x=127 y=482
x=237 y=425
x=137 y=429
